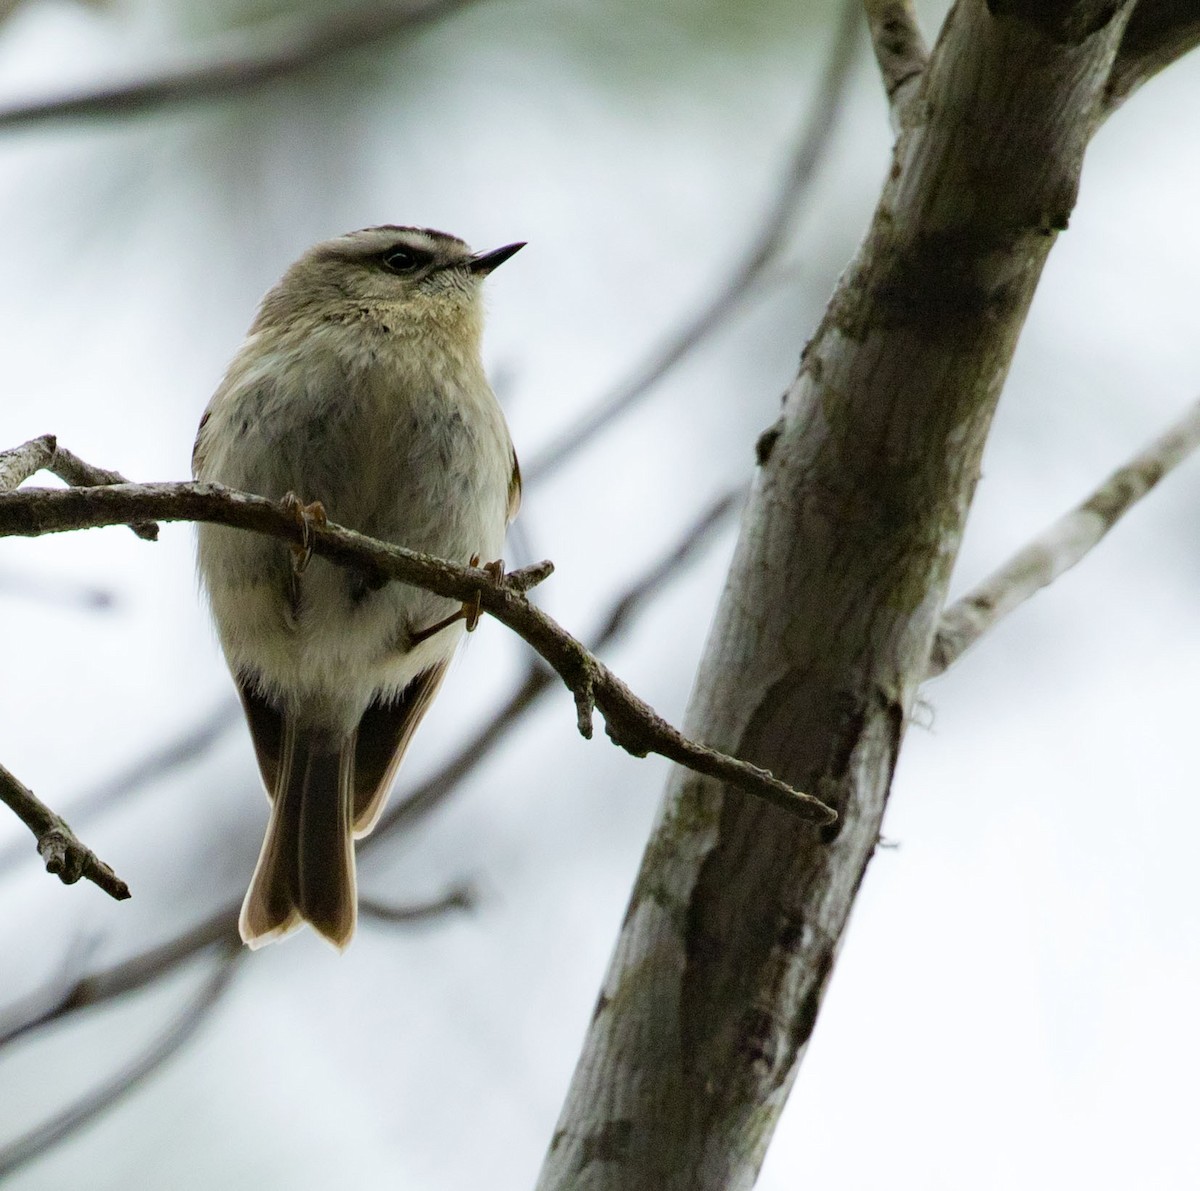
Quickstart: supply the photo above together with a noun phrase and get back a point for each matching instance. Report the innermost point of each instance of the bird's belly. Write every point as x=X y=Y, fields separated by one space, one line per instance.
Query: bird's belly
x=426 y=476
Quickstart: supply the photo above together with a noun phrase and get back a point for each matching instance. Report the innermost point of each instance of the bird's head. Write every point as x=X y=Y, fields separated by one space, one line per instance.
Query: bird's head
x=410 y=280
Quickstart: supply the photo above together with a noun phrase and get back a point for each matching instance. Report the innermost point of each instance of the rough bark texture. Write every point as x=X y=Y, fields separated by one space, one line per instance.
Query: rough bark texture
x=824 y=630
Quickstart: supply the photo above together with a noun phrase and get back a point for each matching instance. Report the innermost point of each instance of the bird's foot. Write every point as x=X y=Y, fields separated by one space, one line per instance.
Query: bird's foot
x=306 y=517
x=471 y=609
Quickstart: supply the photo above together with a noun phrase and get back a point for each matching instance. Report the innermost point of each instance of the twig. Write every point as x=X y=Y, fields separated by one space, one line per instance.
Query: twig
x=809 y=150
x=630 y=722
x=64 y=853
x=24 y=1149
x=187 y=746
x=290 y=47
x=901 y=53
x=1062 y=545
x=17 y=464
x=460 y=897
x=44 y=454
x=46 y=1007
x=1158 y=33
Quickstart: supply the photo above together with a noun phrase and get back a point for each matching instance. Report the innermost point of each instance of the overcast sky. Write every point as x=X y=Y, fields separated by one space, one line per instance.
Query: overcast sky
x=1014 y=1006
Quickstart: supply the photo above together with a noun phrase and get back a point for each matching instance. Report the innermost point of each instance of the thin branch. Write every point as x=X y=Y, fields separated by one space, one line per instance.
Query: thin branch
x=187 y=746
x=438 y=787
x=48 y=1006
x=901 y=52
x=281 y=49
x=1062 y=545
x=768 y=243
x=460 y=897
x=110 y=1093
x=1159 y=32
x=64 y=853
x=630 y=722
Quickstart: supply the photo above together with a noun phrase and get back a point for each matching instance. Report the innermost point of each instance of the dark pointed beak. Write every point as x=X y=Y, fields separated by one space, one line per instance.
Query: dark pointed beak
x=485 y=262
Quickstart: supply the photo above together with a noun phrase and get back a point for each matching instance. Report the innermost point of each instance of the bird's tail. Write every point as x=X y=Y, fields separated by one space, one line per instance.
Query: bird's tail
x=305 y=870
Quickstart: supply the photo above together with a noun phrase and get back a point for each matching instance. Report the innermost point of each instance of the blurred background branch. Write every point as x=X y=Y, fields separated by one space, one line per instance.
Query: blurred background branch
x=108 y=1095
x=190 y=745
x=276 y=50
x=763 y=251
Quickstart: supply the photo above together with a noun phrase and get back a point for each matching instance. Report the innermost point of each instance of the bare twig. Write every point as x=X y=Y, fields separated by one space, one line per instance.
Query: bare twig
x=901 y=53
x=64 y=998
x=279 y=49
x=28 y=1147
x=460 y=897
x=44 y=454
x=768 y=242
x=1062 y=545
x=629 y=721
x=64 y=853
x=1158 y=33
x=185 y=747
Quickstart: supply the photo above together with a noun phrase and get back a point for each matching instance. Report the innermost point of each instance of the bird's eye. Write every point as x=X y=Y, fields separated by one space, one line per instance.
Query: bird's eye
x=404 y=260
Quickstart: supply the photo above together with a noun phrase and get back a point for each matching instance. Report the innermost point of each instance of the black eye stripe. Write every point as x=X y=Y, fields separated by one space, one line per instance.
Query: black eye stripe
x=403 y=258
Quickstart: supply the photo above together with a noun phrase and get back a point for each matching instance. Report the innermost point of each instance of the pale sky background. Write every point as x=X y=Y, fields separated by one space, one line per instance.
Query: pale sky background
x=1014 y=1007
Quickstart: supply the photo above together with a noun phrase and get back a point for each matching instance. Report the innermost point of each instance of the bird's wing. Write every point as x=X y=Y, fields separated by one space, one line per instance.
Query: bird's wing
x=384 y=733
x=266 y=730
x=514 y=488
x=197 y=452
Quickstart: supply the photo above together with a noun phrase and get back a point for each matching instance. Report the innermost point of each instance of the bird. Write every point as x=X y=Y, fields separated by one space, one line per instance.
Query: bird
x=359 y=395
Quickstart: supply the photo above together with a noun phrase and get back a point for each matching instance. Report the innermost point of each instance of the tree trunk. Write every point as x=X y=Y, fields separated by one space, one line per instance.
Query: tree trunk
x=824 y=630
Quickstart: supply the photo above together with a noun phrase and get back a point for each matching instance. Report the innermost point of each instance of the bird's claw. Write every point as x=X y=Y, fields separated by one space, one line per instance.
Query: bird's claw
x=306 y=517
x=471 y=609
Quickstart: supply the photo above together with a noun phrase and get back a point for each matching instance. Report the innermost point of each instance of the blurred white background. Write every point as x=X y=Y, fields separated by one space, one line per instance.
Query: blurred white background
x=1014 y=1007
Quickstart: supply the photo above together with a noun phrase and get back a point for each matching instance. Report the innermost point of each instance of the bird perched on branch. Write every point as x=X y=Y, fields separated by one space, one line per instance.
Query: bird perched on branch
x=358 y=395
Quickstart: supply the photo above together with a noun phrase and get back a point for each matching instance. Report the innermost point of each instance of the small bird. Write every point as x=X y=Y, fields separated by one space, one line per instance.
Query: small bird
x=359 y=394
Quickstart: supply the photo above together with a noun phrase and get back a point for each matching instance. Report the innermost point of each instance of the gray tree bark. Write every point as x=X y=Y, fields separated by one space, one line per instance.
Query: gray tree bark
x=825 y=626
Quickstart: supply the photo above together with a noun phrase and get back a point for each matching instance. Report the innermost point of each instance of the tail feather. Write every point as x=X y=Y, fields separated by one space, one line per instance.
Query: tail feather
x=326 y=893
x=305 y=870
